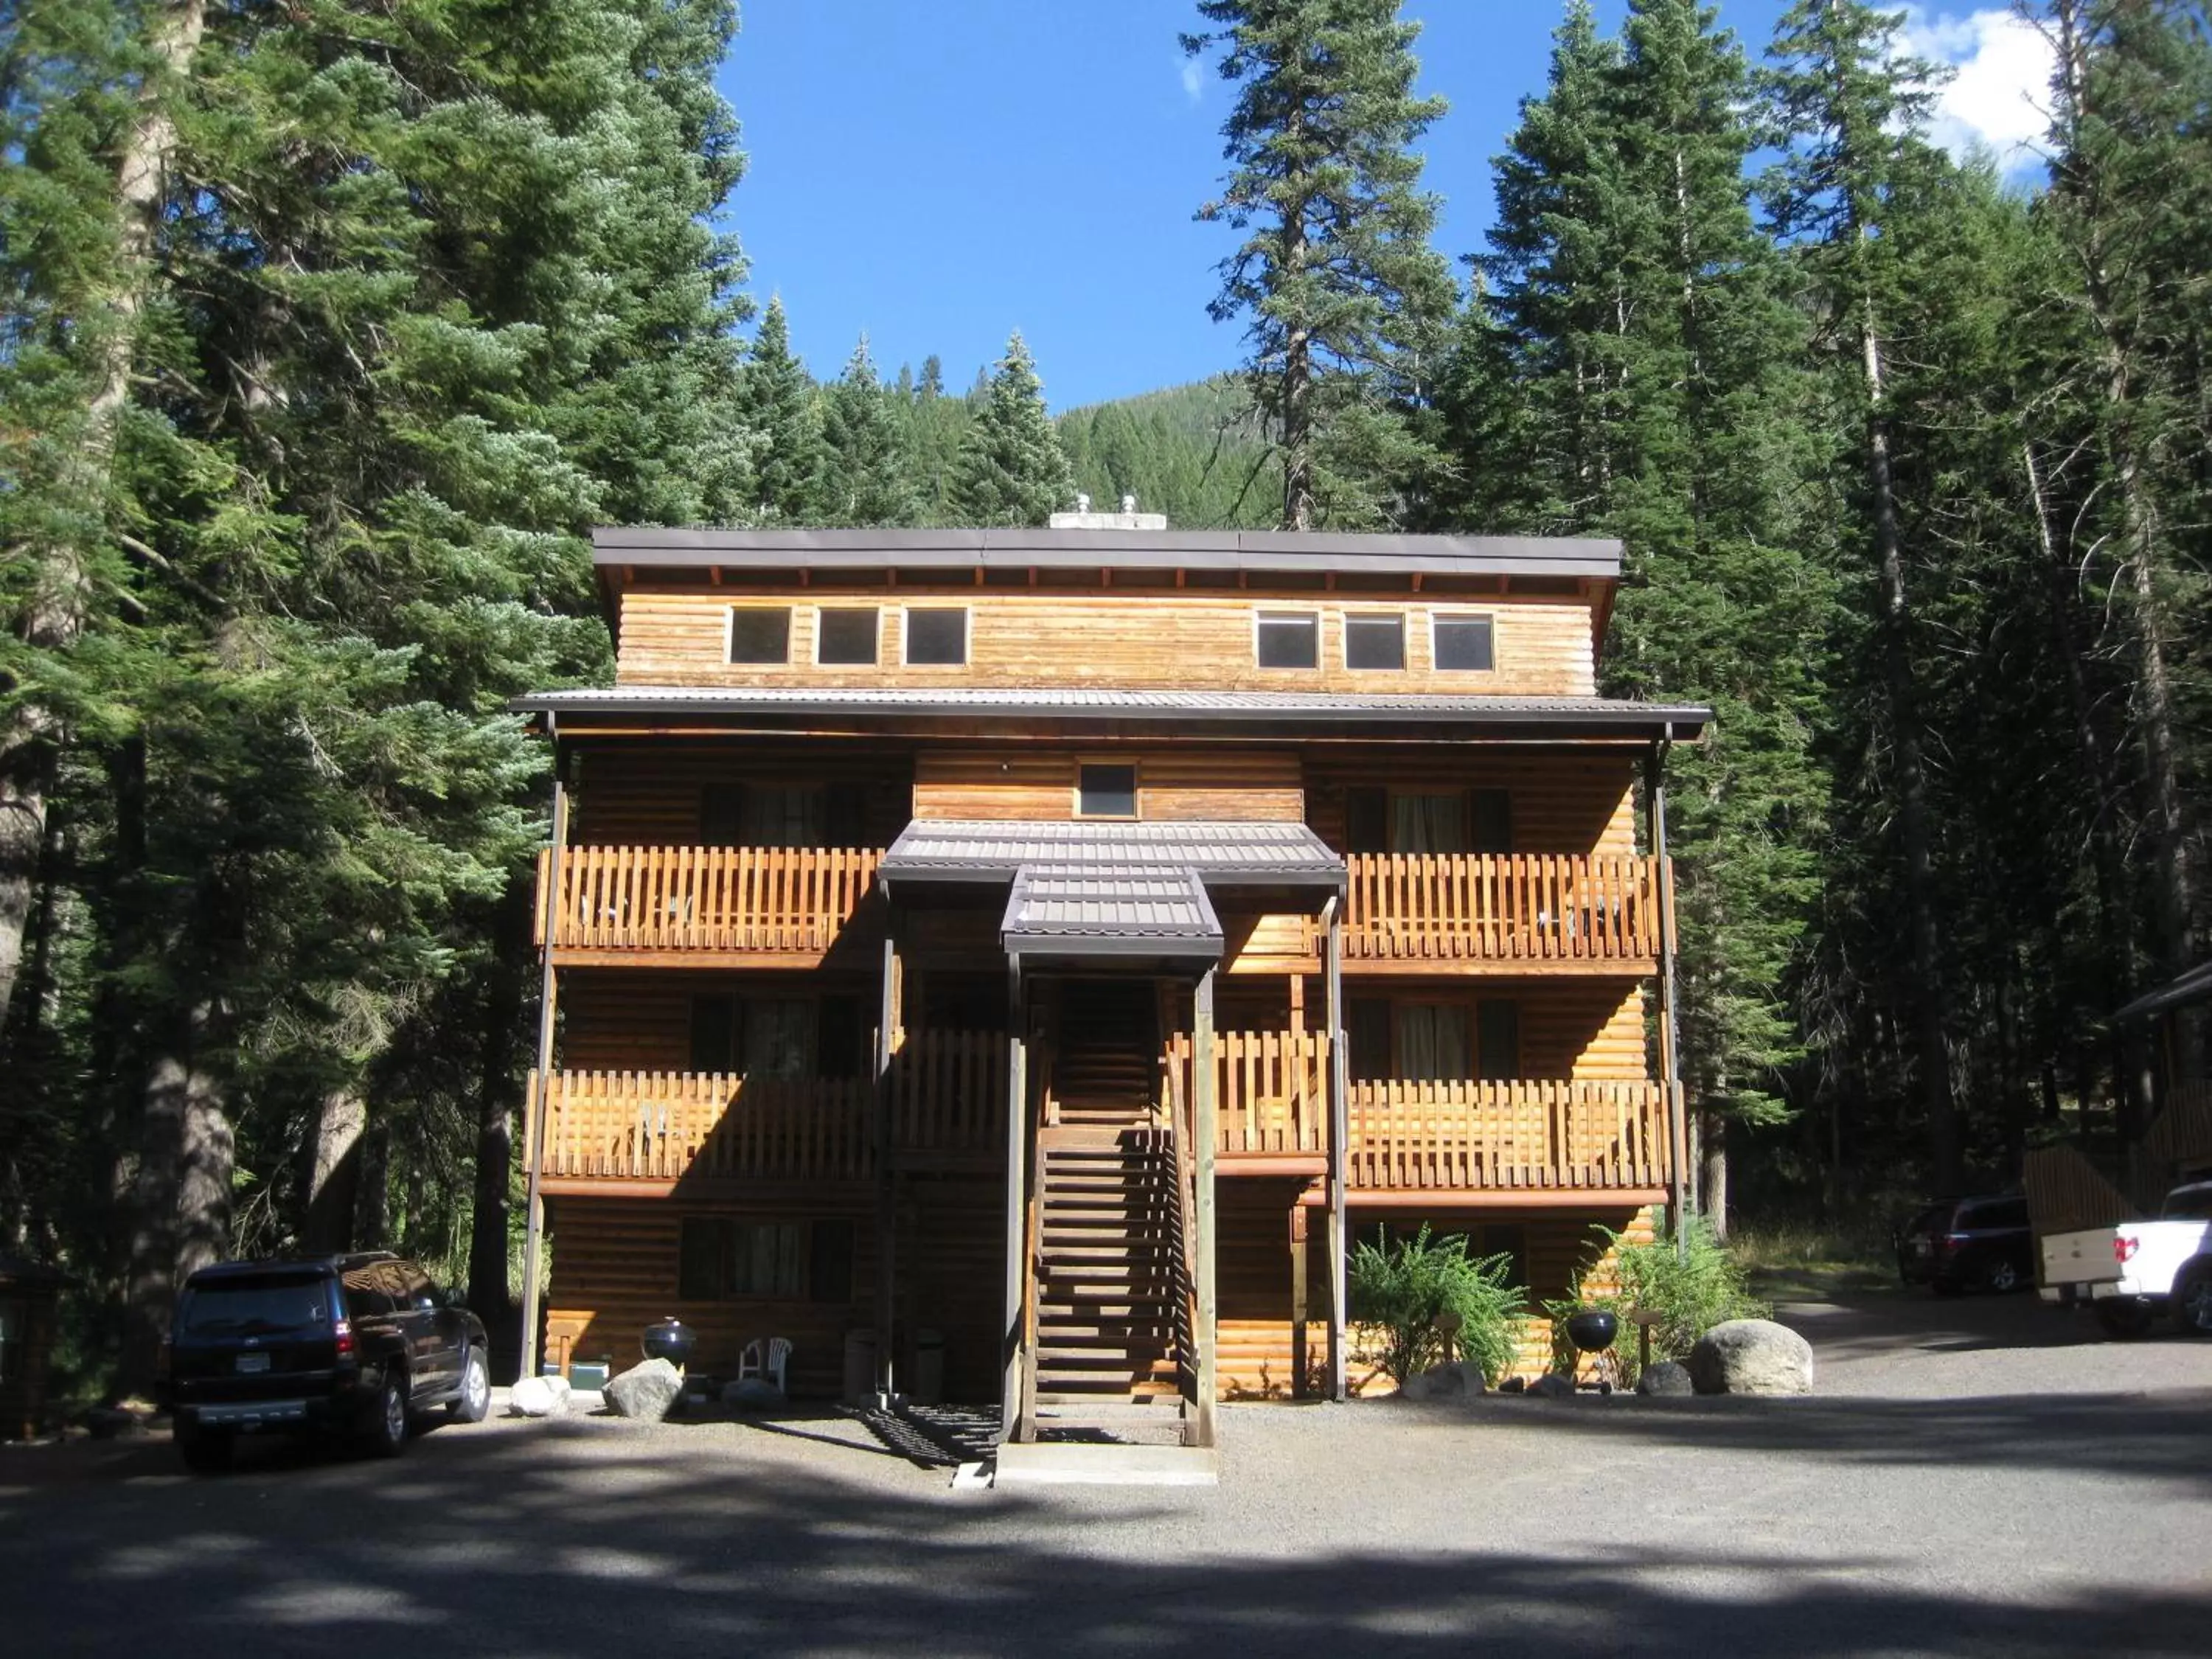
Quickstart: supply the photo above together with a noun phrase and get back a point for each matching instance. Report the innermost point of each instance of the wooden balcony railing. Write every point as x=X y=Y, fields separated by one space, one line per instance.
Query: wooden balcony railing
x=1524 y=1135
x=771 y=900
x=947 y=1103
x=1273 y=1102
x=1525 y=906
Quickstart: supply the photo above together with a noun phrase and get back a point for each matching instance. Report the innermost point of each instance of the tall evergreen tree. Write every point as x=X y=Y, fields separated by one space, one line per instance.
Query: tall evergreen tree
x=1344 y=301
x=866 y=476
x=1011 y=469
x=783 y=411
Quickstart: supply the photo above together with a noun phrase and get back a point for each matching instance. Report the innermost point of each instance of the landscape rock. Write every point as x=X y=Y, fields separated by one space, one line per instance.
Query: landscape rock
x=645 y=1392
x=1751 y=1356
x=1459 y=1380
x=111 y=1422
x=753 y=1393
x=538 y=1397
x=1665 y=1376
x=1554 y=1386
x=1513 y=1385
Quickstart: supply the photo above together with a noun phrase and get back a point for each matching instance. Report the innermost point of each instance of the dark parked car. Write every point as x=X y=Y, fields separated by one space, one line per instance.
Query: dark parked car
x=1968 y=1243
x=359 y=1347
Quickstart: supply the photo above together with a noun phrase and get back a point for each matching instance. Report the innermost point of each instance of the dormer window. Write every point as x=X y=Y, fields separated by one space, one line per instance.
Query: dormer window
x=760 y=634
x=937 y=638
x=1288 y=639
x=1464 y=644
x=846 y=638
x=1375 y=642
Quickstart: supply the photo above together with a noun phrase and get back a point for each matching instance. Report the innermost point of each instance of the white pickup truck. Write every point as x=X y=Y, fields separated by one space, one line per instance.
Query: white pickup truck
x=2133 y=1272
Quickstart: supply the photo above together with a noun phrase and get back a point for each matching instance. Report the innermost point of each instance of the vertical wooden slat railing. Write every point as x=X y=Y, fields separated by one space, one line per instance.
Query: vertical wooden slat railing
x=947 y=1099
x=1273 y=1097
x=789 y=900
x=1464 y=1135
x=1432 y=906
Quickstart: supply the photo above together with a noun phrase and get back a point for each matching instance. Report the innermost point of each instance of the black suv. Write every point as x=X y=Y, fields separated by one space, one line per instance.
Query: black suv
x=359 y=1345
x=1962 y=1243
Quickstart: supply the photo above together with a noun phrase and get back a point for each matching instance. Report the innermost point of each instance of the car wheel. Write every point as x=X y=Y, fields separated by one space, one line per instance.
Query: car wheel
x=388 y=1427
x=473 y=1403
x=2192 y=1303
x=2124 y=1316
x=2001 y=1276
x=205 y=1451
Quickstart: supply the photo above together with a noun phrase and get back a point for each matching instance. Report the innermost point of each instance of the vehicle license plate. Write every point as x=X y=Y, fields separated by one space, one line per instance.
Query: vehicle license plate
x=253 y=1362
x=1921 y=1246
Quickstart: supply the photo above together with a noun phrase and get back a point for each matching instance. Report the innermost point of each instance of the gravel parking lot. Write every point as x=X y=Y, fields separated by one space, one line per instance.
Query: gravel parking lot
x=1976 y=1477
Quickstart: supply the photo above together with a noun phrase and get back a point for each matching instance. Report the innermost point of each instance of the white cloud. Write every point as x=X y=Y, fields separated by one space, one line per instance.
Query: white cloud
x=1194 y=79
x=2000 y=89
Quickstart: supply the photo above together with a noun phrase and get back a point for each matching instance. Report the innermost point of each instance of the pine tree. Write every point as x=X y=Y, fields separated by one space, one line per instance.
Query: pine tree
x=782 y=407
x=1010 y=468
x=1344 y=301
x=866 y=477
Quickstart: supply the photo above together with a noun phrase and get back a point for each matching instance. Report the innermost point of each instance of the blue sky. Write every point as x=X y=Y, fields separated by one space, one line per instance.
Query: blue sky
x=937 y=175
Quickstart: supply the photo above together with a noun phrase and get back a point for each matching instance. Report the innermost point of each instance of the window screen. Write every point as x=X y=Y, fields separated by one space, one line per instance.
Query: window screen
x=1432 y=1044
x=1498 y=1041
x=847 y=637
x=717 y=1257
x=937 y=638
x=1493 y=820
x=1288 y=639
x=760 y=635
x=1366 y=820
x=1463 y=644
x=1374 y=641
x=1107 y=792
x=1367 y=1039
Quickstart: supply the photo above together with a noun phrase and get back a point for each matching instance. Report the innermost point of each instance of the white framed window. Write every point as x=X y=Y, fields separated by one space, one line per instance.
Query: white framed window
x=759 y=635
x=1462 y=642
x=1286 y=639
x=1375 y=640
x=1106 y=789
x=848 y=636
x=937 y=636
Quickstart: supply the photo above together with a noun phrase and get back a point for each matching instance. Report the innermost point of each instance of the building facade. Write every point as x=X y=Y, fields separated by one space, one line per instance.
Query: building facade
x=1041 y=952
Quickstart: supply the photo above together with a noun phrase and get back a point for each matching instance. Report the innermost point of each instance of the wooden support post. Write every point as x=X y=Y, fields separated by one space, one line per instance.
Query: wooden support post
x=1012 y=1358
x=1205 y=1101
x=1339 y=1135
x=1300 y=1364
x=533 y=1126
x=1299 y=1003
x=1678 y=1154
x=886 y=1194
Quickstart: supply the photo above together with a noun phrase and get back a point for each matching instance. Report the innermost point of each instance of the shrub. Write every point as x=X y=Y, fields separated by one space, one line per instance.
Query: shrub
x=1691 y=1290
x=1399 y=1291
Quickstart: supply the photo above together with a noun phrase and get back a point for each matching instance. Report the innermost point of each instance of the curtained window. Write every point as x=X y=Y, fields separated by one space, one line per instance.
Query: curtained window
x=1428 y=823
x=1433 y=1042
x=778 y=1037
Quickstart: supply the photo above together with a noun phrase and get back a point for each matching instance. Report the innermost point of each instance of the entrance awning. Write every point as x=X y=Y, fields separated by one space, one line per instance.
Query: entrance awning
x=1220 y=853
x=1120 y=911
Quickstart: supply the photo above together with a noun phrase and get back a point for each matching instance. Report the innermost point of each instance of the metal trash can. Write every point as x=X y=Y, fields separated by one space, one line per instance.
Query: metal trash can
x=861 y=1368
x=928 y=1367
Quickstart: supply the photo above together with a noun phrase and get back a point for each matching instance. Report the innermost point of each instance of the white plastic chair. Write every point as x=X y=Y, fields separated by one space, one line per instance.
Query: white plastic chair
x=750 y=1364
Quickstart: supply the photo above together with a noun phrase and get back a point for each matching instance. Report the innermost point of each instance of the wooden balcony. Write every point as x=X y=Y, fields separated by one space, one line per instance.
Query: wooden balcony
x=1529 y=1136
x=1528 y=911
x=704 y=906
x=648 y=1133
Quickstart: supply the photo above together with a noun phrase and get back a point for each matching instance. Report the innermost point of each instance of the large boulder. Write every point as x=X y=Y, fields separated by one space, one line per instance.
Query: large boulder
x=1751 y=1356
x=645 y=1392
x=538 y=1397
x=753 y=1393
x=1453 y=1382
x=1665 y=1376
x=1553 y=1385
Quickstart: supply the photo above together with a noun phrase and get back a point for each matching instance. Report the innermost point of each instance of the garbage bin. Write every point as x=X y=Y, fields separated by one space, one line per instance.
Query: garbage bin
x=928 y=1367
x=861 y=1368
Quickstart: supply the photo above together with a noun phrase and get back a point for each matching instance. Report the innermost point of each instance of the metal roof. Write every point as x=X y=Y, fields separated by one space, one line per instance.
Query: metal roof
x=1605 y=714
x=1110 y=910
x=2195 y=986
x=1224 y=853
x=1320 y=552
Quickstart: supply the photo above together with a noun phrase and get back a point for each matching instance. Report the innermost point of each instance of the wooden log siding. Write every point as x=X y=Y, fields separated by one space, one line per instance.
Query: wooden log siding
x=1527 y=907
x=946 y=1101
x=1461 y=1136
x=778 y=900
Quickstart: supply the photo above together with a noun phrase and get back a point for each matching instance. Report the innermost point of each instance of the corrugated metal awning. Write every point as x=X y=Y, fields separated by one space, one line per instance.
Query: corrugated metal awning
x=2195 y=986
x=1214 y=852
x=1120 y=911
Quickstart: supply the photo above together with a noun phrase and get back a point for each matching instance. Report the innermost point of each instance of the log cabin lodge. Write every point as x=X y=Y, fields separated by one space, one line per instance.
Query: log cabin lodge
x=1043 y=951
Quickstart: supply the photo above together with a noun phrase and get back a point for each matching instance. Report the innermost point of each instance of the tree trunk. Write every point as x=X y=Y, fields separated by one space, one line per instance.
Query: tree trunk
x=496 y=1099
x=179 y=1211
x=55 y=614
x=1713 y=1173
x=334 y=1172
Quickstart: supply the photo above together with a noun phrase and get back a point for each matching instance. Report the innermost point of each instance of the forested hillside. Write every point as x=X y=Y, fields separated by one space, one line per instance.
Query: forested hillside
x=328 y=331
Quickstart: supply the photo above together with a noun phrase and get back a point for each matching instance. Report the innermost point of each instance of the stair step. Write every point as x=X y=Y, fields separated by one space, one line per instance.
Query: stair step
x=1153 y=1396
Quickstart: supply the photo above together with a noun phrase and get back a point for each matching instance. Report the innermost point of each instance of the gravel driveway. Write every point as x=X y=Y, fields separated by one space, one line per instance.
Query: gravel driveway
x=1970 y=1481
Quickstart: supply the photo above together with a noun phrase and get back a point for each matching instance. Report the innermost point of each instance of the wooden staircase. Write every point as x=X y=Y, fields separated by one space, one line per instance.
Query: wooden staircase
x=1111 y=1338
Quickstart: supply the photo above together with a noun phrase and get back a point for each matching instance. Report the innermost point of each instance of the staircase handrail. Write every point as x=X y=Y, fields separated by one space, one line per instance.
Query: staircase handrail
x=1033 y=1245
x=1181 y=1135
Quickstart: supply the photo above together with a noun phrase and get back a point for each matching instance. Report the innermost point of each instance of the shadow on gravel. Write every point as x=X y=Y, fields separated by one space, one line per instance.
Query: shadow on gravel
x=569 y=1544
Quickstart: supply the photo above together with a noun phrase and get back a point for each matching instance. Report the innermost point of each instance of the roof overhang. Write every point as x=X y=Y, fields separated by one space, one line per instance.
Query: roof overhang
x=1132 y=913
x=975 y=712
x=967 y=851
x=2193 y=987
